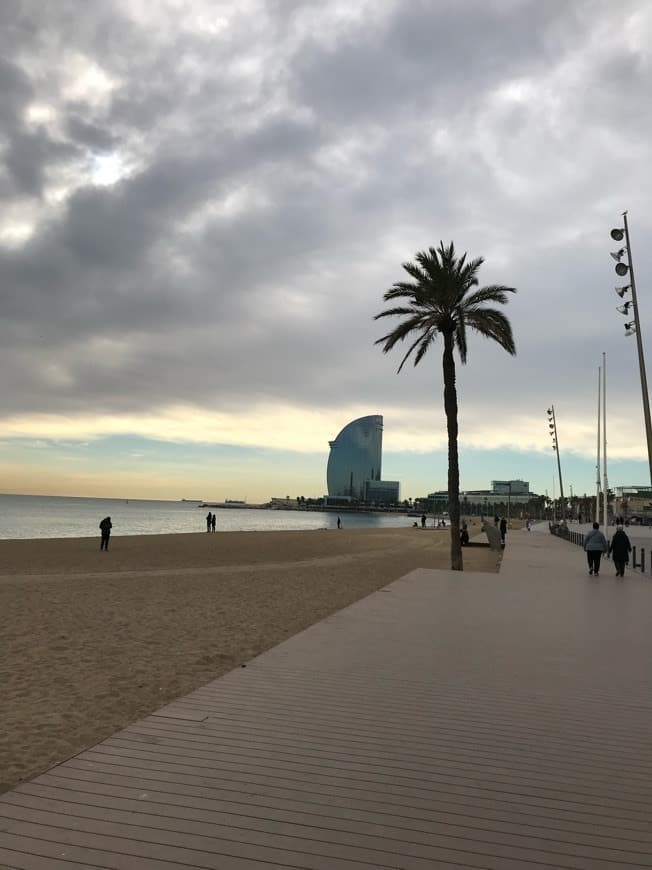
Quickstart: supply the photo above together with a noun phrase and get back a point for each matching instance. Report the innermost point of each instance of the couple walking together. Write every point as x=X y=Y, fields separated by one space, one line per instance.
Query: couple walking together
x=595 y=544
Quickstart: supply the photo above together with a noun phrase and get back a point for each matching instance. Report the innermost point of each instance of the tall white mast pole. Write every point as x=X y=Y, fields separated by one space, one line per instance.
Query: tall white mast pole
x=604 y=433
x=597 y=464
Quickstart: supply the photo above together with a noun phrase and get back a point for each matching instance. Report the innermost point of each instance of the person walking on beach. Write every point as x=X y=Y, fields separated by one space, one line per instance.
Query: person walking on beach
x=213 y=522
x=339 y=523
x=503 y=529
x=595 y=544
x=209 y=521
x=423 y=521
x=620 y=548
x=105 y=527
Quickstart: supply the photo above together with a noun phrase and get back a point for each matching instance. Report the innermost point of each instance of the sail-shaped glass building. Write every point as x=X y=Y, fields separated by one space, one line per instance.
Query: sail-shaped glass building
x=355 y=458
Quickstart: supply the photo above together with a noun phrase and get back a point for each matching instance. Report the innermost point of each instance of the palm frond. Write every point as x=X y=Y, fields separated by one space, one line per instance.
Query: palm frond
x=423 y=341
x=441 y=298
x=493 y=324
x=419 y=274
x=401 y=332
x=493 y=293
x=426 y=341
x=391 y=312
x=460 y=339
x=401 y=289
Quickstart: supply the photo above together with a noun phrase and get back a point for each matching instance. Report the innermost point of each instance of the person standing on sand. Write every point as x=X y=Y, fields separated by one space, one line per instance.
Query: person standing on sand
x=620 y=548
x=423 y=521
x=595 y=544
x=339 y=523
x=213 y=522
x=209 y=521
x=105 y=527
x=503 y=529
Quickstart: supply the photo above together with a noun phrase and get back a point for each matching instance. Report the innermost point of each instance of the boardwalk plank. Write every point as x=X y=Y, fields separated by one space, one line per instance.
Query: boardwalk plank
x=371 y=821
x=381 y=839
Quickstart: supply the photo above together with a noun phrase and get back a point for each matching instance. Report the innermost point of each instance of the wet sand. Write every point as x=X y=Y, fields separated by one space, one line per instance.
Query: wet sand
x=91 y=641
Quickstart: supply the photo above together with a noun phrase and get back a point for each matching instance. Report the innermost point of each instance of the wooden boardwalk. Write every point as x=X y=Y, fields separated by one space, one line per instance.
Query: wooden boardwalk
x=449 y=720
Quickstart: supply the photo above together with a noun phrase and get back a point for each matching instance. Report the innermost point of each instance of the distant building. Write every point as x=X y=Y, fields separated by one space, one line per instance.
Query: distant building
x=278 y=502
x=516 y=487
x=485 y=500
x=354 y=466
x=382 y=491
x=632 y=500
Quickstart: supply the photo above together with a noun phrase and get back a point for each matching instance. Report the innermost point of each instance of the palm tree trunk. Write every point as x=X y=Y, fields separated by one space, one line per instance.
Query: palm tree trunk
x=450 y=407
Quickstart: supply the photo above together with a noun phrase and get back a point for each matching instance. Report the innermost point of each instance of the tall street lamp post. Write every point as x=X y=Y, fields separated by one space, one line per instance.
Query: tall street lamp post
x=552 y=425
x=509 y=500
x=634 y=326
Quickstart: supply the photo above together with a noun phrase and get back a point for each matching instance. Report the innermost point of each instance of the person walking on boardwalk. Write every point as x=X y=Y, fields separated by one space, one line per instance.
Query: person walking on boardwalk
x=105 y=527
x=503 y=529
x=209 y=521
x=595 y=544
x=620 y=548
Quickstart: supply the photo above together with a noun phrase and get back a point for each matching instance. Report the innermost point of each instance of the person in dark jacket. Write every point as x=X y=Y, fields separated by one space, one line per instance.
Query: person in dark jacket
x=595 y=544
x=105 y=527
x=503 y=529
x=619 y=549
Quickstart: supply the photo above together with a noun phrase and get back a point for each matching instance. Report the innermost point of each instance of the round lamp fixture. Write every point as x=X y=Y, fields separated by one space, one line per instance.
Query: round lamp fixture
x=621 y=269
x=617 y=235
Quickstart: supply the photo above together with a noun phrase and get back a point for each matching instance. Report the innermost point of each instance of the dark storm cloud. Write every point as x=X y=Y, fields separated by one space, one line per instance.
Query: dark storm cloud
x=430 y=57
x=275 y=172
x=89 y=134
x=15 y=90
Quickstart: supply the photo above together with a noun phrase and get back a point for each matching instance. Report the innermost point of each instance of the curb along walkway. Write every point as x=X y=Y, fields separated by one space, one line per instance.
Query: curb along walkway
x=449 y=720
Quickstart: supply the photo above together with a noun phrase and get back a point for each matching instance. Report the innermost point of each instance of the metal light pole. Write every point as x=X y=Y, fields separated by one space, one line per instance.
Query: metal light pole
x=604 y=436
x=622 y=269
x=555 y=446
x=509 y=500
x=597 y=464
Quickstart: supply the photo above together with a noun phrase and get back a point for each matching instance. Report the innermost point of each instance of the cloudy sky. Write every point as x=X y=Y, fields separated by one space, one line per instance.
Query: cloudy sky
x=204 y=202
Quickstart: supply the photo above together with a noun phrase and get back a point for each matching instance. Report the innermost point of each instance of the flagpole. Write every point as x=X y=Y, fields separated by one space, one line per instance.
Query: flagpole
x=605 y=488
x=597 y=464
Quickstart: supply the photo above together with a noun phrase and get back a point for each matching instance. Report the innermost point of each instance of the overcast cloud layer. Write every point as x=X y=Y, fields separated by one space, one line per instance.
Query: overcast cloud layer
x=201 y=211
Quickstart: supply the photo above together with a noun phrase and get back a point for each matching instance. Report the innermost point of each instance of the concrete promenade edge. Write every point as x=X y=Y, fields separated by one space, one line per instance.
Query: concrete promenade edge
x=449 y=720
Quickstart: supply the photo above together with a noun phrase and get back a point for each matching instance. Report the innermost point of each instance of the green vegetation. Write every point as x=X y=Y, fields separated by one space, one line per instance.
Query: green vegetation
x=440 y=300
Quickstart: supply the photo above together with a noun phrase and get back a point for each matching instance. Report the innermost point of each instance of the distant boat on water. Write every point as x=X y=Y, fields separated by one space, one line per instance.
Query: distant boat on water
x=229 y=503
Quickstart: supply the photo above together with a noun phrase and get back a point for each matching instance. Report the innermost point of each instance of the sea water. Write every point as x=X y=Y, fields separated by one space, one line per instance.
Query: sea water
x=32 y=516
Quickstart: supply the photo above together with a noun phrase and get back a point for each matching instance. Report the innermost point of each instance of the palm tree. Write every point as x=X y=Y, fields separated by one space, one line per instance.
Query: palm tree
x=440 y=301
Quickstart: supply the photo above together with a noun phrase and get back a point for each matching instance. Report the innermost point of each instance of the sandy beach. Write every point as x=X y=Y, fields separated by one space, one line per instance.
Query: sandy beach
x=90 y=641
